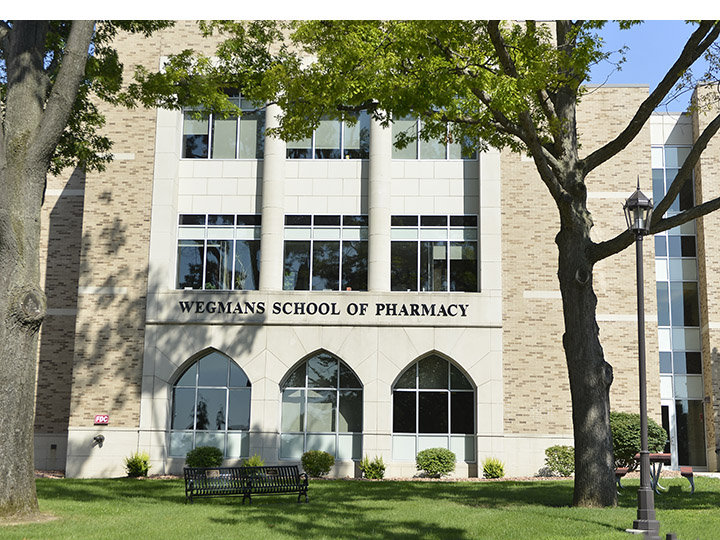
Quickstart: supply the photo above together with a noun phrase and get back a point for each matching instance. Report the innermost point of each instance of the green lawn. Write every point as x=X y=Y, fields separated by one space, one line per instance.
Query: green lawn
x=154 y=509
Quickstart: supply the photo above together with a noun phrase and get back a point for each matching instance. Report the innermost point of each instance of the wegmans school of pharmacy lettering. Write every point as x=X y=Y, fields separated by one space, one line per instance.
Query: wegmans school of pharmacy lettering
x=326 y=308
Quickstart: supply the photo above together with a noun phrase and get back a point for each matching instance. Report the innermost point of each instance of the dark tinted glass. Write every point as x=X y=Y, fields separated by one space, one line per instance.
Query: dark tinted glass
x=297 y=266
x=239 y=409
x=462 y=419
x=433 y=221
x=433 y=412
x=221 y=219
x=327 y=220
x=403 y=270
x=355 y=221
x=404 y=221
x=213 y=370
x=183 y=412
x=190 y=264
x=354 y=265
x=249 y=219
x=326 y=266
x=298 y=220
x=404 y=412
x=211 y=409
x=247 y=265
x=463 y=266
x=693 y=363
x=322 y=371
x=192 y=219
x=463 y=221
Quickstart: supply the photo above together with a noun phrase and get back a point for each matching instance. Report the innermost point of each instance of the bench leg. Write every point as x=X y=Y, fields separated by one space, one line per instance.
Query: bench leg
x=692 y=484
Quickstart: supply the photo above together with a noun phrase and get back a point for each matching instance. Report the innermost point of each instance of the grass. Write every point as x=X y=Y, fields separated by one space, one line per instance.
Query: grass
x=131 y=509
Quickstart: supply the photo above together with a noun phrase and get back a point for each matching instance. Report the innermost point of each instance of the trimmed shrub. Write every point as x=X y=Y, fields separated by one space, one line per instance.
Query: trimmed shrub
x=626 y=437
x=204 y=456
x=436 y=461
x=137 y=464
x=317 y=463
x=374 y=470
x=253 y=461
x=493 y=468
x=560 y=460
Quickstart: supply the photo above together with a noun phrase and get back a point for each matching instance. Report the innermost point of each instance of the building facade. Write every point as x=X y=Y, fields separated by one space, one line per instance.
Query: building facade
x=216 y=286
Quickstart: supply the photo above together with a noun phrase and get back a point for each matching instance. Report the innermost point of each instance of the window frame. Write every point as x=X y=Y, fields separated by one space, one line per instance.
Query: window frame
x=418 y=143
x=247 y=107
x=420 y=234
x=312 y=150
x=305 y=390
x=314 y=228
x=417 y=391
x=197 y=387
x=248 y=231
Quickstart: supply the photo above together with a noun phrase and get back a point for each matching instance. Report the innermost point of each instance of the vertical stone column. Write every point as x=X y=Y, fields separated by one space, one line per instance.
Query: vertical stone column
x=273 y=207
x=379 y=182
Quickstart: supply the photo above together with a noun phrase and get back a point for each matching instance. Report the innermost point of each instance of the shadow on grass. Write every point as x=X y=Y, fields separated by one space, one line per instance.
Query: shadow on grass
x=367 y=509
x=677 y=496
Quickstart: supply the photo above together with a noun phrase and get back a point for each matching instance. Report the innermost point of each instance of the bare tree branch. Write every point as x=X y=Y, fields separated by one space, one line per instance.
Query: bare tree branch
x=603 y=250
x=685 y=172
x=62 y=96
x=658 y=224
x=696 y=45
x=528 y=134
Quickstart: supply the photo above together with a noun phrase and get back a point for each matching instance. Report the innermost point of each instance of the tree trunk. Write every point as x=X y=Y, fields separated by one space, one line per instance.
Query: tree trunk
x=590 y=375
x=22 y=304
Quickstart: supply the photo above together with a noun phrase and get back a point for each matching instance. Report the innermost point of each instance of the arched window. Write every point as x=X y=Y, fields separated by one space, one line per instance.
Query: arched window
x=211 y=407
x=321 y=409
x=433 y=406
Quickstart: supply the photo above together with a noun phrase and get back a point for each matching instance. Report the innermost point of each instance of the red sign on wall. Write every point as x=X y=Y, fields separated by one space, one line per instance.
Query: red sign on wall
x=102 y=419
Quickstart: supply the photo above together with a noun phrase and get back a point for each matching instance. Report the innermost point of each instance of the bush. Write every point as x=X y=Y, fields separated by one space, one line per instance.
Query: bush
x=560 y=460
x=493 y=468
x=436 y=461
x=626 y=437
x=204 y=456
x=374 y=470
x=253 y=461
x=137 y=464
x=317 y=463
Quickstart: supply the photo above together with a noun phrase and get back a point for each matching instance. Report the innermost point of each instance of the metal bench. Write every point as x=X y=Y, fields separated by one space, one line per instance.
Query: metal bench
x=245 y=481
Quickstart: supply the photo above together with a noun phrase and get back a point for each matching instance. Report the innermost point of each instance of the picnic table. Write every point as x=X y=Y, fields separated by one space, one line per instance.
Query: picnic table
x=656 y=464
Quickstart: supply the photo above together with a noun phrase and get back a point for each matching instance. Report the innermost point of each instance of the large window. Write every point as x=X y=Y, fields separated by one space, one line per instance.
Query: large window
x=434 y=253
x=325 y=252
x=678 y=305
x=433 y=406
x=322 y=407
x=335 y=139
x=218 y=252
x=211 y=407
x=214 y=137
x=432 y=149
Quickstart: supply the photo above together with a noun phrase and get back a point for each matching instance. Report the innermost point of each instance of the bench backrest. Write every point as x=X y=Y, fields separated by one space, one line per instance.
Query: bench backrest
x=219 y=478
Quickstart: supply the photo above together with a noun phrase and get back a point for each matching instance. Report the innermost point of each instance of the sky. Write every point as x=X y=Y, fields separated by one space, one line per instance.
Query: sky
x=653 y=47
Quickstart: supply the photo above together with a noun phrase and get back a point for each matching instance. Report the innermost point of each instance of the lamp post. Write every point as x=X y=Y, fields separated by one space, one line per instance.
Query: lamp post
x=638 y=210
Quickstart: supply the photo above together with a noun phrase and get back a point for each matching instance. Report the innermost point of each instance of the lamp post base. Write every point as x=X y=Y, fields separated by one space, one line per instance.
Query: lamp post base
x=646 y=522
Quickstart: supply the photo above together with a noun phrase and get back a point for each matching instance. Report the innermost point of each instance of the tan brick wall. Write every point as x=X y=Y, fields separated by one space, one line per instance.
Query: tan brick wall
x=707 y=187
x=61 y=220
x=537 y=396
x=115 y=238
